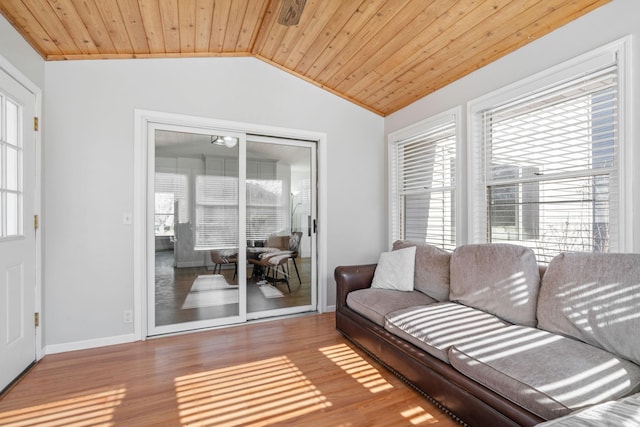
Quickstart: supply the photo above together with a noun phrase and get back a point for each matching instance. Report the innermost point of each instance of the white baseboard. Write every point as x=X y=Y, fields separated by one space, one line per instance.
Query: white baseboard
x=84 y=345
x=103 y=342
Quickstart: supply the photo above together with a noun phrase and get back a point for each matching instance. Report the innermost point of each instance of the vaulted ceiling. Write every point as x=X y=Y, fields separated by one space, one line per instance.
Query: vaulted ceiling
x=380 y=54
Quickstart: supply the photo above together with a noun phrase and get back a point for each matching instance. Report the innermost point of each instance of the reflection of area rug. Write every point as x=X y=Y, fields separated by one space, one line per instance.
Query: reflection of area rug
x=209 y=291
x=270 y=291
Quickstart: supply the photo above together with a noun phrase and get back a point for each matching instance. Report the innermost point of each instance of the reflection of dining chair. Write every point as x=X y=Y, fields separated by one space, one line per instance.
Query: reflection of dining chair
x=294 y=247
x=279 y=242
x=288 y=243
x=275 y=260
x=218 y=259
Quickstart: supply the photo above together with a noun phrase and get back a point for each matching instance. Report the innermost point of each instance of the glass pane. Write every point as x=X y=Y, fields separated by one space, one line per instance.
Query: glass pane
x=196 y=229
x=279 y=203
x=429 y=217
x=2 y=107
x=2 y=213
x=565 y=215
x=12 y=169
x=266 y=208
x=543 y=156
x=12 y=123
x=174 y=187
x=13 y=214
x=216 y=212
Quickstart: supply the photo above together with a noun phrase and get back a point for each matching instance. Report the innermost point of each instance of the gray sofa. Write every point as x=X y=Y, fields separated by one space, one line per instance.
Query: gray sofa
x=492 y=337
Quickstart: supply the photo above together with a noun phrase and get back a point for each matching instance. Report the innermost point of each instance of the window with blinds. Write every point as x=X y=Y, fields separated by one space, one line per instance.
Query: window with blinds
x=423 y=168
x=551 y=167
x=217 y=210
x=216 y=222
x=171 y=190
x=267 y=208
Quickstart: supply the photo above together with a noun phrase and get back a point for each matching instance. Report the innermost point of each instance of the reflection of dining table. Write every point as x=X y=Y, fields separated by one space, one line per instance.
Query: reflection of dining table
x=255 y=253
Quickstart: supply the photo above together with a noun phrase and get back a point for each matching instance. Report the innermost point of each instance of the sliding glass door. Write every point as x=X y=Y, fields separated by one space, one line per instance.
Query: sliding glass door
x=280 y=192
x=230 y=227
x=196 y=203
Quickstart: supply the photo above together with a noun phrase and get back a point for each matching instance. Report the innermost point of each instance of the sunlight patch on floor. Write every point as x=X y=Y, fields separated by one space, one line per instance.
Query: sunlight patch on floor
x=358 y=368
x=418 y=415
x=259 y=393
x=94 y=409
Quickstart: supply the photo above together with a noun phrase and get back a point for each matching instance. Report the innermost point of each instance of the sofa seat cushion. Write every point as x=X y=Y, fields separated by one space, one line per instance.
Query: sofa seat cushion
x=501 y=279
x=547 y=374
x=617 y=413
x=436 y=327
x=374 y=304
x=594 y=298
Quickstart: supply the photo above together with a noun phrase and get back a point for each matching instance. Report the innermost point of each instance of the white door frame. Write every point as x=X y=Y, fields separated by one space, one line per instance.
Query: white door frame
x=23 y=80
x=144 y=119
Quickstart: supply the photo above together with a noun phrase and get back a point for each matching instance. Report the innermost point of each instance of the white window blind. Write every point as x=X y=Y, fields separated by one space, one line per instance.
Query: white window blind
x=217 y=210
x=267 y=208
x=171 y=188
x=423 y=200
x=216 y=222
x=551 y=167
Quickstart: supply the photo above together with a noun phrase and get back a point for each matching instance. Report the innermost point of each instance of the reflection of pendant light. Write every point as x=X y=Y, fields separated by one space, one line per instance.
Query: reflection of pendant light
x=227 y=141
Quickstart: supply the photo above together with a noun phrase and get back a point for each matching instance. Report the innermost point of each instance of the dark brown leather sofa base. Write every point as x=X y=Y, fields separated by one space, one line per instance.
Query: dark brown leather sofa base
x=464 y=399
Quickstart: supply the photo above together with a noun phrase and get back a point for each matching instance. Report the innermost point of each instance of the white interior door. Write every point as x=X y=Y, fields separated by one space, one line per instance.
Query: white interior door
x=17 y=234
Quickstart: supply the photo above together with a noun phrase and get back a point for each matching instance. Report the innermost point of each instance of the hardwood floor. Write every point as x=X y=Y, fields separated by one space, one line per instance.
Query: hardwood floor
x=297 y=371
x=173 y=285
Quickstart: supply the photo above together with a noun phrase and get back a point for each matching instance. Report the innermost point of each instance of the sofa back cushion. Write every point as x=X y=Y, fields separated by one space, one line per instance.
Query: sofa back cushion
x=501 y=279
x=594 y=298
x=431 y=273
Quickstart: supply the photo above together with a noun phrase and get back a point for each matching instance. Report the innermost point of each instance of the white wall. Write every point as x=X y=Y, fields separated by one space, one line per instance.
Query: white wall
x=602 y=26
x=20 y=54
x=89 y=176
x=23 y=58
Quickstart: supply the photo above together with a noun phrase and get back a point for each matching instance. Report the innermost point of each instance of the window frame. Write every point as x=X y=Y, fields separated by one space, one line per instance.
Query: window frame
x=616 y=52
x=452 y=115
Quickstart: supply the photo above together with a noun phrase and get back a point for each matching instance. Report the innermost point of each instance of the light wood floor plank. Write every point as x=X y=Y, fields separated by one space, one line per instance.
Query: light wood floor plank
x=298 y=371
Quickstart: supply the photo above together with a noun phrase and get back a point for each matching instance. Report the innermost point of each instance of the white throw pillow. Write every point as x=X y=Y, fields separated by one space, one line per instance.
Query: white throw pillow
x=395 y=270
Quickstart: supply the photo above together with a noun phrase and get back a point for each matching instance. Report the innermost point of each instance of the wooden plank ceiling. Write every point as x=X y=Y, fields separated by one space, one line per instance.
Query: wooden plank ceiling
x=380 y=54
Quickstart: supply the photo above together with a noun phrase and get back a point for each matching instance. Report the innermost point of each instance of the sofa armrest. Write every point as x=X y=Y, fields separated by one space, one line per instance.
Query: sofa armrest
x=350 y=278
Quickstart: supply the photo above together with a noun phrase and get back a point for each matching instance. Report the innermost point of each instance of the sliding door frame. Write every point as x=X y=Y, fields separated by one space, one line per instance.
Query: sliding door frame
x=145 y=121
x=313 y=305
x=241 y=317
